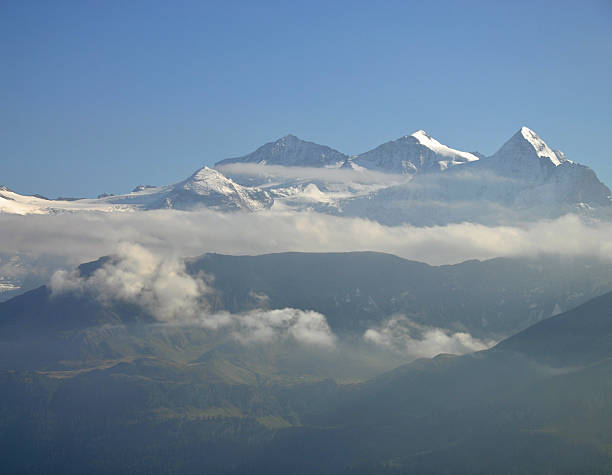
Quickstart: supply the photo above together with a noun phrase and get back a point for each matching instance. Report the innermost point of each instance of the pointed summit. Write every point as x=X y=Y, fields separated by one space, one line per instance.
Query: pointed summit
x=526 y=143
x=208 y=179
x=423 y=136
x=421 y=133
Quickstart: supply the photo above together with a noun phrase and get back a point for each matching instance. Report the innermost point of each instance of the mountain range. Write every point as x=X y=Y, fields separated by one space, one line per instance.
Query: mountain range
x=417 y=180
x=205 y=188
x=99 y=385
x=490 y=300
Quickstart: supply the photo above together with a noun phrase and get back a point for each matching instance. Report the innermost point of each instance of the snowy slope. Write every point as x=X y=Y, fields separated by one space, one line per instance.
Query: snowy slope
x=524 y=180
x=210 y=188
x=205 y=188
x=542 y=175
x=527 y=141
x=414 y=179
x=394 y=162
x=14 y=203
x=525 y=156
x=412 y=154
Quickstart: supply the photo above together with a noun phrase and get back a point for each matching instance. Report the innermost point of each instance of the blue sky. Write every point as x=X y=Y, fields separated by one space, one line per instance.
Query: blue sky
x=100 y=96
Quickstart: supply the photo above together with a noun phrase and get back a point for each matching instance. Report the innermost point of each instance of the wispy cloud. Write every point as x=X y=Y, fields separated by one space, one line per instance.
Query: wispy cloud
x=159 y=284
x=329 y=175
x=406 y=337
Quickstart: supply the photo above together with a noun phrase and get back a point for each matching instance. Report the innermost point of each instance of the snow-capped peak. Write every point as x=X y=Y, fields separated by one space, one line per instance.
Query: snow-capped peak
x=411 y=154
x=527 y=141
x=421 y=135
x=206 y=179
x=209 y=187
x=428 y=141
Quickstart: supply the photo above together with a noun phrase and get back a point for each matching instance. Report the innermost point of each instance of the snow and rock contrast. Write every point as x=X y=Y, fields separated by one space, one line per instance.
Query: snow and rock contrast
x=206 y=188
x=210 y=188
x=291 y=151
x=414 y=179
x=411 y=154
x=524 y=180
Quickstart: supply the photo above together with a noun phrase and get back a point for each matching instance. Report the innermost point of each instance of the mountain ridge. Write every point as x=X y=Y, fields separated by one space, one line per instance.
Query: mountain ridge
x=291 y=151
x=411 y=154
x=524 y=180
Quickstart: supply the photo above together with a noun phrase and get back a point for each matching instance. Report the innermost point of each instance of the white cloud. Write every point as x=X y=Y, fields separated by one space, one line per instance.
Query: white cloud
x=86 y=236
x=160 y=285
x=404 y=336
x=157 y=283
x=265 y=326
x=329 y=175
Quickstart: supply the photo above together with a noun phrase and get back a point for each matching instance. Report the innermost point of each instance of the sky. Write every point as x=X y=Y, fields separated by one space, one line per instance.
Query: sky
x=101 y=96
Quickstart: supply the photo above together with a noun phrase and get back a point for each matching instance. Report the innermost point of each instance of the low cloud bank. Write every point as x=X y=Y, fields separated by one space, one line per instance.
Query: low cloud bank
x=406 y=337
x=149 y=270
x=86 y=236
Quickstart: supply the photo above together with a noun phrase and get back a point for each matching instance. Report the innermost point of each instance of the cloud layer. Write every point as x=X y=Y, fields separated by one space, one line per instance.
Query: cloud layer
x=149 y=270
x=86 y=236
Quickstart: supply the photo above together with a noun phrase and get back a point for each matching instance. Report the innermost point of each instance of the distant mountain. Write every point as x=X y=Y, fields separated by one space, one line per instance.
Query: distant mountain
x=291 y=151
x=542 y=176
x=526 y=145
x=406 y=155
x=207 y=188
x=524 y=180
x=355 y=291
x=411 y=154
x=422 y=182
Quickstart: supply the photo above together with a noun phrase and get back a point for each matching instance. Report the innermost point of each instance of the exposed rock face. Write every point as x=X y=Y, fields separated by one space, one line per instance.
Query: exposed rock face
x=291 y=151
